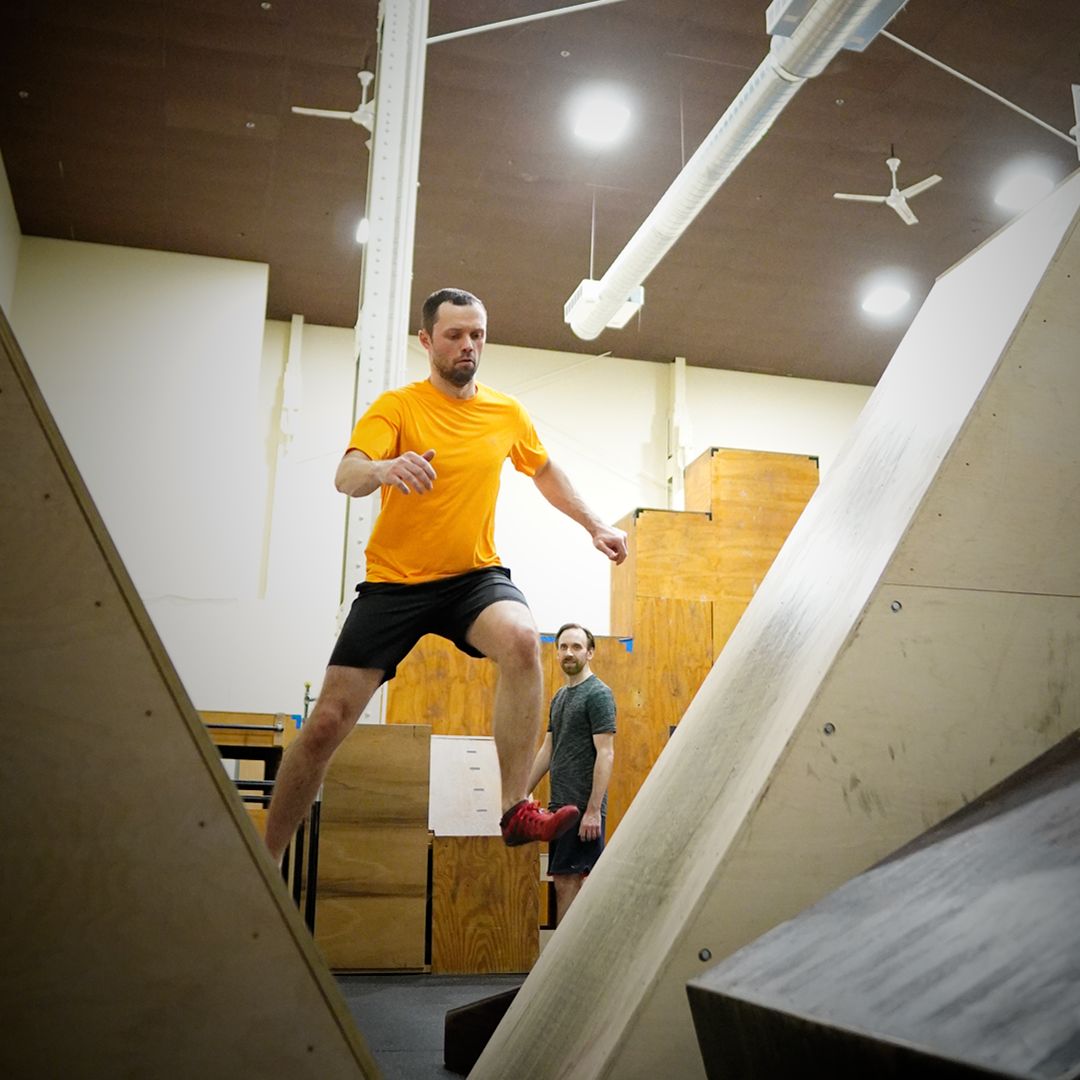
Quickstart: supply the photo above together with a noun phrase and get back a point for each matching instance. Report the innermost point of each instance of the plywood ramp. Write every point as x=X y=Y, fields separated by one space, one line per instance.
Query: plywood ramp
x=912 y=645
x=145 y=931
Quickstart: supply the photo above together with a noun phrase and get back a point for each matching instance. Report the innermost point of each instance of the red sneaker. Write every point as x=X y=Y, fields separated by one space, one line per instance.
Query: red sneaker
x=527 y=822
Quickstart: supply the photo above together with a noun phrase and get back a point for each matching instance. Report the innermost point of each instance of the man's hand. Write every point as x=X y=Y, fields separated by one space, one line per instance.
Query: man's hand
x=408 y=473
x=611 y=541
x=589 y=829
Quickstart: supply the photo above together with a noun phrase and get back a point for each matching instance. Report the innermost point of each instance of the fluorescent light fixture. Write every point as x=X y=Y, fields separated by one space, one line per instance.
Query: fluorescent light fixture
x=600 y=116
x=588 y=293
x=1023 y=188
x=885 y=300
x=363 y=230
x=630 y=307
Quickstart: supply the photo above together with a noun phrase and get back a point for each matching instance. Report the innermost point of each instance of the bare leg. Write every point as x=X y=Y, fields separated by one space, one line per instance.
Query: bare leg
x=505 y=632
x=345 y=692
x=567 y=886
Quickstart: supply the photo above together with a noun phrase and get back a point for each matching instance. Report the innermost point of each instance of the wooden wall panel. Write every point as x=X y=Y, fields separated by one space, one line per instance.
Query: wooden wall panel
x=485 y=906
x=680 y=556
x=371 y=904
x=756 y=499
x=624 y=582
x=766 y=491
x=371 y=908
x=653 y=686
x=697 y=483
x=442 y=687
x=146 y=932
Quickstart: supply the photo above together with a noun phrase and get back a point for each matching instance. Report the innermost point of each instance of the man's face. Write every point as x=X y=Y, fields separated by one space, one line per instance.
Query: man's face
x=456 y=341
x=574 y=651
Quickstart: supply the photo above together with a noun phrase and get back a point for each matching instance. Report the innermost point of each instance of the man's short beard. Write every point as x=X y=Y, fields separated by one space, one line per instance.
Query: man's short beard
x=456 y=375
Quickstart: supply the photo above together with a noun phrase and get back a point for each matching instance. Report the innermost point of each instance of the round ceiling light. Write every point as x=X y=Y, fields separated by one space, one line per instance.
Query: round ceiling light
x=1023 y=187
x=600 y=116
x=885 y=300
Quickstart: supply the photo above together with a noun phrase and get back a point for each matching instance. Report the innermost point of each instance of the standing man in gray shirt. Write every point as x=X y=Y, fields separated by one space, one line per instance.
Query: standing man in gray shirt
x=579 y=751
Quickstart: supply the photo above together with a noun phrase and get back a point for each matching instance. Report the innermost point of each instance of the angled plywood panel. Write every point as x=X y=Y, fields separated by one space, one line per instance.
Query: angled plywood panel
x=145 y=931
x=979 y=913
x=912 y=645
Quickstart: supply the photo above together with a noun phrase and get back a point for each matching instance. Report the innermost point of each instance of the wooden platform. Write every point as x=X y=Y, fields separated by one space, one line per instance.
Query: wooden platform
x=911 y=646
x=371 y=904
x=959 y=957
x=146 y=931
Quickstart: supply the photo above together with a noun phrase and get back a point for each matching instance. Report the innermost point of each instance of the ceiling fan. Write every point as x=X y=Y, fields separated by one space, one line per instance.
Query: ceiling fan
x=363 y=114
x=897 y=197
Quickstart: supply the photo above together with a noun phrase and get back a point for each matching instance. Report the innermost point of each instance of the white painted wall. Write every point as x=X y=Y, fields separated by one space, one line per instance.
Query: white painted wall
x=150 y=362
x=10 y=239
x=255 y=653
x=742 y=411
x=167 y=384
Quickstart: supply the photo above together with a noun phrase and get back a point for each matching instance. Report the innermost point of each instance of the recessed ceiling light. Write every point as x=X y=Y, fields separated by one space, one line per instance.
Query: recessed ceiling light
x=363 y=230
x=600 y=116
x=1023 y=188
x=885 y=300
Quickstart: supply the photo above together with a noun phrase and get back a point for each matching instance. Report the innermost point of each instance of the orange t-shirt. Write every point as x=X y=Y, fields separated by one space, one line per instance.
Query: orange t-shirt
x=450 y=529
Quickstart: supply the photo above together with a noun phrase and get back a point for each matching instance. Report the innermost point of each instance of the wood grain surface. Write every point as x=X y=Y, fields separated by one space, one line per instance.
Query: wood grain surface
x=371 y=904
x=485 y=906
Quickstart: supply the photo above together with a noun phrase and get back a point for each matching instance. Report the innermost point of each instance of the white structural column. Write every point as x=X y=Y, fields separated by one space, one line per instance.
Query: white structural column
x=679 y=435
x=382 y=325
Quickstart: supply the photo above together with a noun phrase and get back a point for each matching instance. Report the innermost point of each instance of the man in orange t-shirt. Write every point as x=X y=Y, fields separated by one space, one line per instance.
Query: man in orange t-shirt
x=436 y=449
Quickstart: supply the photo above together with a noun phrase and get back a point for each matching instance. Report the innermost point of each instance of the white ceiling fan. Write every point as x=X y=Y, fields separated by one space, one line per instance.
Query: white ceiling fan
x=363 y=114
x=897 y=197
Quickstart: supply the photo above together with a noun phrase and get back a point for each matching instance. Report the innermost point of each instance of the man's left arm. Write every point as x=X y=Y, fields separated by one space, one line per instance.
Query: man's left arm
x=589 y=829
x=555 y=486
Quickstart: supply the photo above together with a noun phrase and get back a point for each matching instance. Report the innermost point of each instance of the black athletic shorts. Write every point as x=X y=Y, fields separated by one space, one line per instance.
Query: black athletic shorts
x=386 y=619
x=569 y=854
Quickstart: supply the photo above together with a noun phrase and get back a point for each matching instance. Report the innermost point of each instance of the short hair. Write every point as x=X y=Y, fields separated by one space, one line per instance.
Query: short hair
x=459 y=297
x=590 y=641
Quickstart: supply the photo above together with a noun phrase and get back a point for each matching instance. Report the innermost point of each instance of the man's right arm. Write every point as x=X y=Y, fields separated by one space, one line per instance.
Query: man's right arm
x=357 y=475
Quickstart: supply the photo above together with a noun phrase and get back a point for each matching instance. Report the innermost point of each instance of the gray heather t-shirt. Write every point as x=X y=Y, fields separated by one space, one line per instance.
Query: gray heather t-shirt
x=577 y=713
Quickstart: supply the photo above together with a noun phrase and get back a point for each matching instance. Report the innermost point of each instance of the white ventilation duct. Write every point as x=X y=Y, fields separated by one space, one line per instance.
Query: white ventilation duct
x=828 y=27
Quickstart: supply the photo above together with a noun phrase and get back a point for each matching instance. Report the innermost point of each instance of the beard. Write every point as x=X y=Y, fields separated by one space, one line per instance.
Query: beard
x=459 y=374
x=572 y=666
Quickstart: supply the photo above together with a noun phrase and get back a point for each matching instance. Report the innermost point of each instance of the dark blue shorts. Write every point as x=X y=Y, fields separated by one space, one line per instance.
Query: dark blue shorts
x=569 y=854
x=386 y=619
